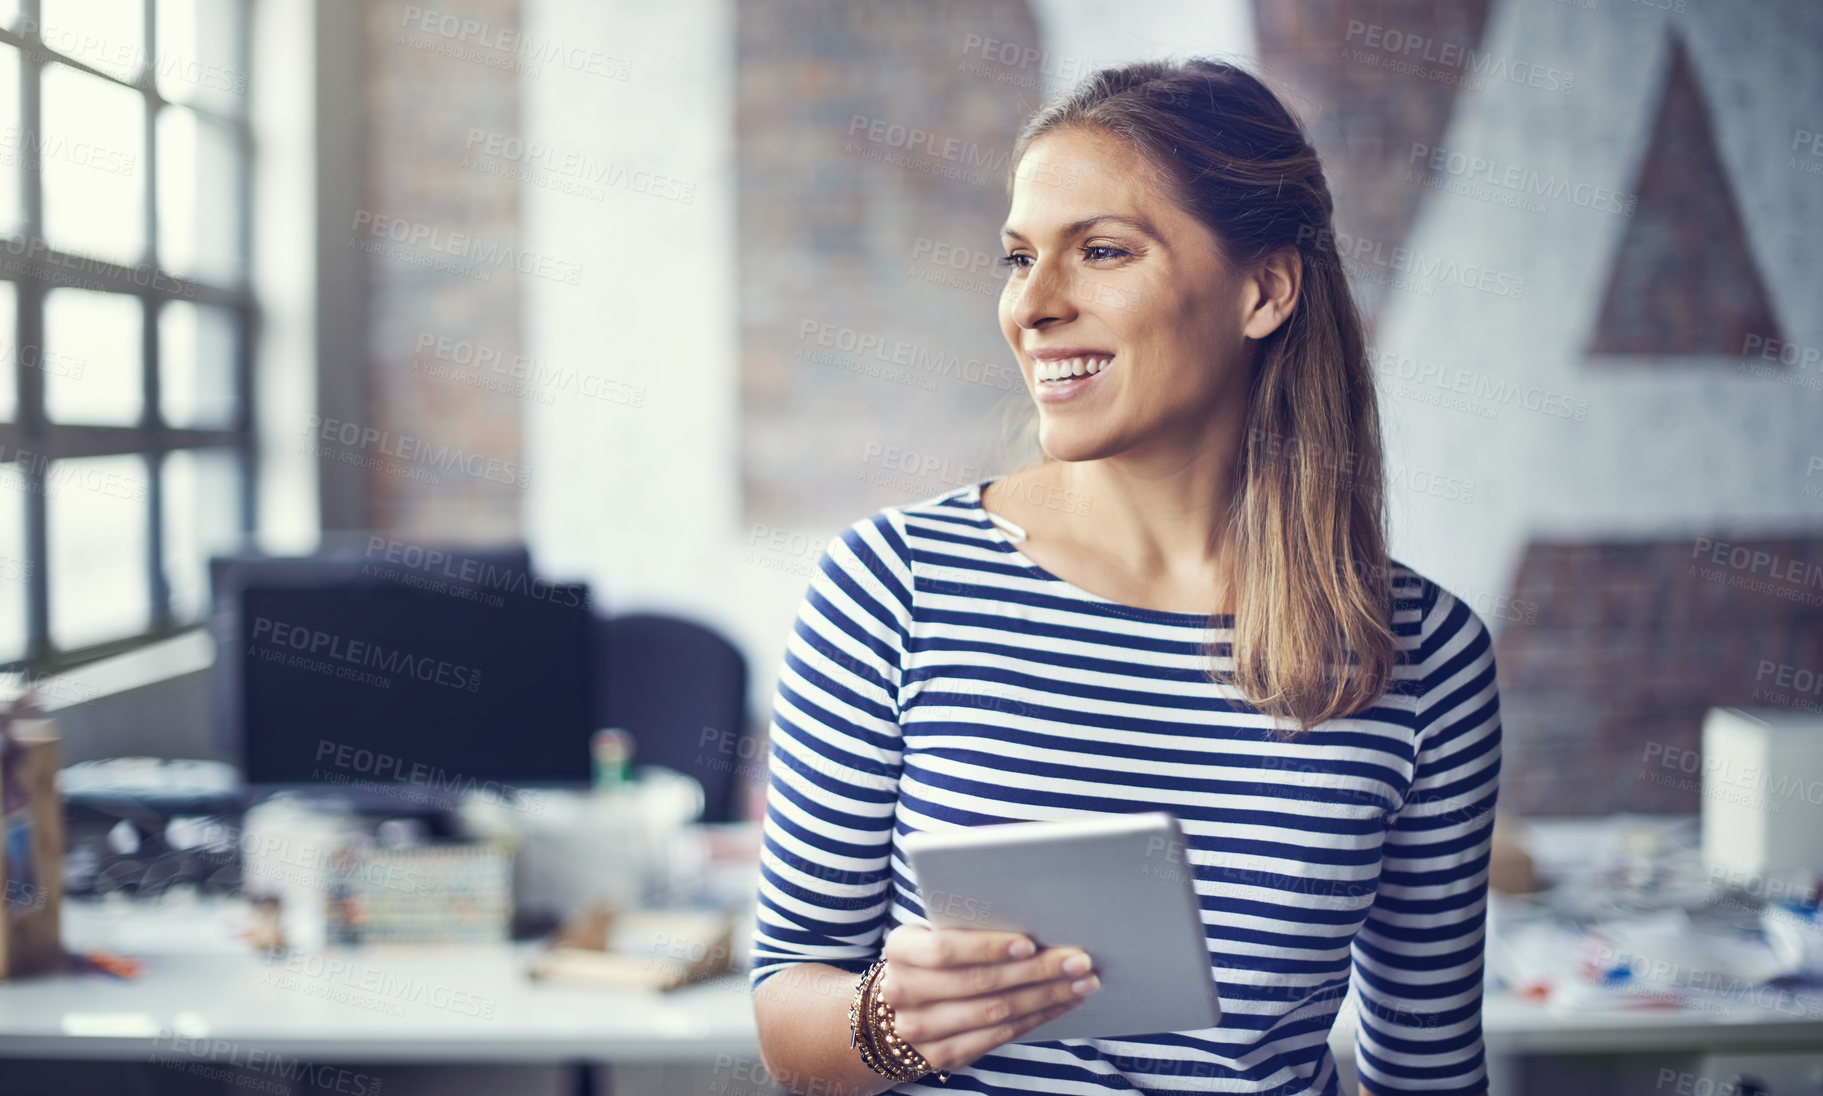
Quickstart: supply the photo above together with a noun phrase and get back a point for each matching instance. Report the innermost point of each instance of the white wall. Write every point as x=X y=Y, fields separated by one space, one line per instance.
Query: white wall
x=1680 y=447
x=643 y=503
x=284 y=274
x=1081 y=35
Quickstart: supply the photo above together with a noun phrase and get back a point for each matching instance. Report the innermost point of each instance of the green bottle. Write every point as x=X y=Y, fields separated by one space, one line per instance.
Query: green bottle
x=612 y=749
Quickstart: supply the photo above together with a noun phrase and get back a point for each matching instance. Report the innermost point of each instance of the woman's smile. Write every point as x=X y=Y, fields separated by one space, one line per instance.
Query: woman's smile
x=1066 y=373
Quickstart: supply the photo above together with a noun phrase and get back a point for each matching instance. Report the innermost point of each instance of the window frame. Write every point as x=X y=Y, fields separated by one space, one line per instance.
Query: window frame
x=30 y=440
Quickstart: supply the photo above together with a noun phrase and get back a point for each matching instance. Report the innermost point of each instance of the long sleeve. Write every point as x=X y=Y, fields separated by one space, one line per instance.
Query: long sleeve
x=1418 y=959
x=834 y=760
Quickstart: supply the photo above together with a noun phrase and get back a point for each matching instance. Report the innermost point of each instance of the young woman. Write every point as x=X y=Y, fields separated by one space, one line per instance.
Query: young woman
x=1187 y=605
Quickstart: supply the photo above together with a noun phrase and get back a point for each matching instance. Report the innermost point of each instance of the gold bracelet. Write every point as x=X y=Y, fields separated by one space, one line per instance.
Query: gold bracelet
x=887 y=1042
x=858 y=1037
x=872 y=1051
x=860 y=1025
x=870 y=1022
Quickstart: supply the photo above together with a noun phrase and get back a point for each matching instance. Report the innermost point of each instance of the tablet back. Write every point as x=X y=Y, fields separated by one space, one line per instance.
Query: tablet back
x=1117 y=886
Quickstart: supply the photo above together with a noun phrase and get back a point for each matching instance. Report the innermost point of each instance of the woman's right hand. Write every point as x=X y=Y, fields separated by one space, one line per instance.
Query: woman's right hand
x=958 y=993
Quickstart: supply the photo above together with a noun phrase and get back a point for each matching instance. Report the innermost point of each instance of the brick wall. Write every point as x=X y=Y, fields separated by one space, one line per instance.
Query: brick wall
x=1608 y=649
x=1364 y=121
x=436 y=480
x=842 y=212
x=1685 y=281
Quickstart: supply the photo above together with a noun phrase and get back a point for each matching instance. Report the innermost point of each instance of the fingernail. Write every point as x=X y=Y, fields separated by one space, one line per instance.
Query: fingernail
x=1022 y=948
x=1086 y=986
x=1076 y=964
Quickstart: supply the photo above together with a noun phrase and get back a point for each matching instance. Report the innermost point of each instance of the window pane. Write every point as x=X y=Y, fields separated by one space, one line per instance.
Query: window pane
x=196 y=53
x=9 y=350
x=93 y=148
x=15 y=572
x=198 y=213
x=92 y=349
x=196 y=360
x=108 y=34
x=12 y=142
x=202 y=517
x=98 y=545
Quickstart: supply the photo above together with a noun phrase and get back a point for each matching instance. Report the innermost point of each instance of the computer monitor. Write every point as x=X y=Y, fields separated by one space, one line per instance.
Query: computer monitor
x=398 y=692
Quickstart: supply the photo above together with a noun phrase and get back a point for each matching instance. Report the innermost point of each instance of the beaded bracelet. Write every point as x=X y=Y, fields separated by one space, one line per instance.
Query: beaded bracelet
x=870 y=1030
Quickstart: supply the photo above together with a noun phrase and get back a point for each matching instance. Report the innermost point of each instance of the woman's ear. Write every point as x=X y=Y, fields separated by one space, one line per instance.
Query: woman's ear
x=1273 y=292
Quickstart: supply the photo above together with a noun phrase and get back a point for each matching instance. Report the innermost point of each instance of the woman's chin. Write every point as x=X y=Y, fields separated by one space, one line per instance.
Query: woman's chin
x=1073 y=444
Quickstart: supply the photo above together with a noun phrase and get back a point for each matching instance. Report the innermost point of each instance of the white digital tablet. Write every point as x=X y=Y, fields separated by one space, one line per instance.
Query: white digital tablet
x=1116 y=886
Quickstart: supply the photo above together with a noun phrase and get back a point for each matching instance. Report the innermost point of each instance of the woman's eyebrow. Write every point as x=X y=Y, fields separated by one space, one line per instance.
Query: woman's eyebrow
x=1075 y=227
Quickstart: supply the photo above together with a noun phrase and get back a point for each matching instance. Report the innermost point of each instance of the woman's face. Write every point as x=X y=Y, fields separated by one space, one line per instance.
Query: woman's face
x=1109 y=273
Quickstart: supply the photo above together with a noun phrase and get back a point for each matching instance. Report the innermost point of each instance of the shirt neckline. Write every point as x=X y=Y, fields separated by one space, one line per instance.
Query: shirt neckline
x=1167 y=616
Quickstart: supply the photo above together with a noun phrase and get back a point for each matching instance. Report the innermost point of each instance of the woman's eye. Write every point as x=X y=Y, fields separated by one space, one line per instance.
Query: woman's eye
x=1093 y=253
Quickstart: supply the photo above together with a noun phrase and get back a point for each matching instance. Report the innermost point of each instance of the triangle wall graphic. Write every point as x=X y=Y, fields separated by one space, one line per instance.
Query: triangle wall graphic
x=1683 y=280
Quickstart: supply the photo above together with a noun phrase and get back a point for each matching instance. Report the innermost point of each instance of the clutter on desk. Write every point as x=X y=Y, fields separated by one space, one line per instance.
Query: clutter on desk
x=265 y=925
x=639 y=949
x=626 y=847
x=1509 y=866
x=337 y=878
x=444 y=892
x=122 y=967
x=1636 y=915
x=286 y=843
x=611 y=750
x=180 y=785
x=144 y=825
x=31 y=841
x=1794 y=931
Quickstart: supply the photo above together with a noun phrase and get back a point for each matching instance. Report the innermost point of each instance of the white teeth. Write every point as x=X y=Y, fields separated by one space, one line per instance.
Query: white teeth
x=1066 y=368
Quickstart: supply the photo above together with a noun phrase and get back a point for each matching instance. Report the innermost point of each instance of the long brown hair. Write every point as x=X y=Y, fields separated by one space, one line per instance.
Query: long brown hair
x=1311 y=625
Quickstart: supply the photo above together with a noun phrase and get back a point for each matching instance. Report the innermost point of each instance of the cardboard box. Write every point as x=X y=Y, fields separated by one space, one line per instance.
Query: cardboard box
x=1762 y=792
x=31 y=848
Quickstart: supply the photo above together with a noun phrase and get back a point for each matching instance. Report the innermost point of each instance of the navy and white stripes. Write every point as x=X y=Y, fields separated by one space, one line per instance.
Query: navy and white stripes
x=936 y=677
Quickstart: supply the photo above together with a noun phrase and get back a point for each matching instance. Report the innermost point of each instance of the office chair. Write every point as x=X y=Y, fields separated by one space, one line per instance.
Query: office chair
x=680 y=689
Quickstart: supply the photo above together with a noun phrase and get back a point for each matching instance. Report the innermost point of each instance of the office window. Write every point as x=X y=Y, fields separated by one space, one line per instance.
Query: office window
x=15 y=572
x=126 y=320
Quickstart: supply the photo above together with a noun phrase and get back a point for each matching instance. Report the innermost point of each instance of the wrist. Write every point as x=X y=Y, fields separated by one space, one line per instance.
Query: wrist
x=870 y=1022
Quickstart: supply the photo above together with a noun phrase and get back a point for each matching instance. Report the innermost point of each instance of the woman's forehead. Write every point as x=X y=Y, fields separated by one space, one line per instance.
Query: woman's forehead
x=1075 y=173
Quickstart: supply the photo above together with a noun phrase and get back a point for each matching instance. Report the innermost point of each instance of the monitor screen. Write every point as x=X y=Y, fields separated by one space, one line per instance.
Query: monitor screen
x=388 y=687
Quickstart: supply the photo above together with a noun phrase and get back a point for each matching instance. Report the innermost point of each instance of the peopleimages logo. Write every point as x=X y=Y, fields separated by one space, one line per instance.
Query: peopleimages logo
x=385 y=772
x=513 y=42
x=1366 y=252
x=91 y=48
x=1399 y=50
x=248 y=1067
x=916 y=357
x=318 y=643
x=469 y=571
x=18 y=145
x=467 y=248
x=1524 y=181
x=416 y=451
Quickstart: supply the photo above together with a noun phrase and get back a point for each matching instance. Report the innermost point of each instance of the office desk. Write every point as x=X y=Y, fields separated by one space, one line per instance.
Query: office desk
x=473 y=1005
x=373 y=1005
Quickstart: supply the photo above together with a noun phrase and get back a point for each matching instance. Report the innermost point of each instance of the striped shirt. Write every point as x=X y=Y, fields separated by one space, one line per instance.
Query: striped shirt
x=936 y=678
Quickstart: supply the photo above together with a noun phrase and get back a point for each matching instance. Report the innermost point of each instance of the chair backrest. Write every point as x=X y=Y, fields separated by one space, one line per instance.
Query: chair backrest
x=680 y=689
